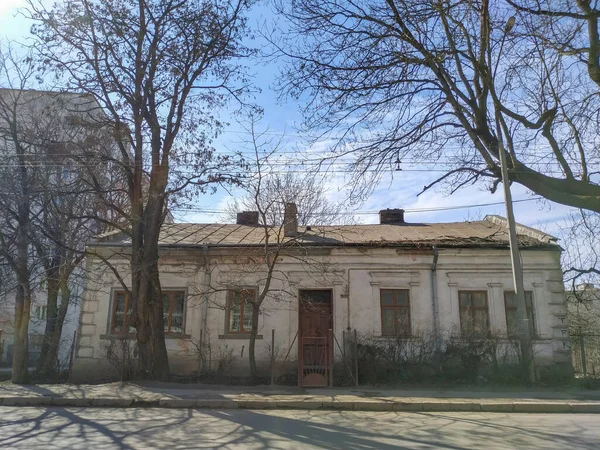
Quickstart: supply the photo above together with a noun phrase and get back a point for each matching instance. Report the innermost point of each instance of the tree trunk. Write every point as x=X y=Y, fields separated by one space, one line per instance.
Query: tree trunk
x=252 y=344
x=51 y=317
x=49 y=356
x=21 y=332
x=152 y=350
x=147 y=314
x=23 y=295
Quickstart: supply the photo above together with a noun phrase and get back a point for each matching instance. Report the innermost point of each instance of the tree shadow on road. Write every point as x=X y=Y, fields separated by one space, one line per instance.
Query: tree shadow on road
x=403 y=431
x=68 y=423
x=318 y=434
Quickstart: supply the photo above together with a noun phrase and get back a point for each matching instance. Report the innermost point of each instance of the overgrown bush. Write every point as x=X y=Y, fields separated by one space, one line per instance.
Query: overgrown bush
x=467 y=359
x=388 y=360
x=123 y=355
x=214 y=365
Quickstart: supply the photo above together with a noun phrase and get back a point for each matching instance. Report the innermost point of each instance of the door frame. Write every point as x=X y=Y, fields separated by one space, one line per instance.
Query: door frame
x=329 y=337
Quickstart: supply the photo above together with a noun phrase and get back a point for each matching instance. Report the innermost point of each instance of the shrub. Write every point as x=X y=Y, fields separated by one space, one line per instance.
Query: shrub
x=122 y=354
x=466 y=359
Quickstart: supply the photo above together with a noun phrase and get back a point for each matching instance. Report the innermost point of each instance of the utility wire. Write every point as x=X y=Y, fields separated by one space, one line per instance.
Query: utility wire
x=211 y=211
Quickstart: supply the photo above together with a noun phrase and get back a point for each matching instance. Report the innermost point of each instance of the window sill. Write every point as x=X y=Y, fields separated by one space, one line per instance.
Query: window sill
x=398 y=338
x=533 y=339
x=498 y=338
x=113 y=337
x=238 y=336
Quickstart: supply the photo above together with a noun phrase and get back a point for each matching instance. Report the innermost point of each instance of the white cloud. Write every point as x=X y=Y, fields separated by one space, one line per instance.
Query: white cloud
x=8 y=7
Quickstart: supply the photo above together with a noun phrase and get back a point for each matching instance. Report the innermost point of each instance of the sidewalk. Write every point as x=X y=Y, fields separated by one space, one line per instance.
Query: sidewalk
x=172 y=395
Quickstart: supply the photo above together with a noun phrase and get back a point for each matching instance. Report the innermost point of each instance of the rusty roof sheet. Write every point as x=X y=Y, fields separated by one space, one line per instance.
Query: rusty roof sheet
x=490 y=232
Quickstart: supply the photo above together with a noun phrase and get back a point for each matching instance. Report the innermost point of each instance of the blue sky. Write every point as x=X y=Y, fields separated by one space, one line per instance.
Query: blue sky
x=394 y=190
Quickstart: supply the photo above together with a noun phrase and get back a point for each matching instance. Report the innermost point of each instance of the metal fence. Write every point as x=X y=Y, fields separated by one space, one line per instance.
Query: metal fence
x=341 y=366
x=585 y=351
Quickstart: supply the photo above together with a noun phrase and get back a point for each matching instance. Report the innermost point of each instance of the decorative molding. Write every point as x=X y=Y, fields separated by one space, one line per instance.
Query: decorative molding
x=132 y=337
x=394 y=273
x=240 y=336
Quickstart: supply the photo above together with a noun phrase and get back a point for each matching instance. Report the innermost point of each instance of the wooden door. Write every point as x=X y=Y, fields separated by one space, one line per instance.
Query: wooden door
x=315 y=349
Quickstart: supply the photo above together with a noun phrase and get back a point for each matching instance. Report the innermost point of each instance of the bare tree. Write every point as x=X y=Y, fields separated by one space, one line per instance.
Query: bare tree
x=581 y=257
x=160 y=69
x=15 y=227
x=309 y=191
x=581 y=260
x=273 y=195
x=24 y=133
x=47 y=209
x=453 y=83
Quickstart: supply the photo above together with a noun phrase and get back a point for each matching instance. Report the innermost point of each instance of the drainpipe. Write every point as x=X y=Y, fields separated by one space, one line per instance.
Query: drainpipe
x=348 y=302
x=206 y=288
x=434 y=300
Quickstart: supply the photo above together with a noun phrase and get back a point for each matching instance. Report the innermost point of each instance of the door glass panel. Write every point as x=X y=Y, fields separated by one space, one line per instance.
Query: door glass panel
x=387 y=322
x=387 y=298
x=402 y=298
x=315 y=296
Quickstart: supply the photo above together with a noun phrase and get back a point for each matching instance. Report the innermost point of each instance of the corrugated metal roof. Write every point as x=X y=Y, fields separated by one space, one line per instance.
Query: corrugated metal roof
x=488 y=232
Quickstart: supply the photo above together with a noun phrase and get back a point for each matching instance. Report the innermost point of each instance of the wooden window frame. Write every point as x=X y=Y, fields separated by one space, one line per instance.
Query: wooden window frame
x=230 y=292
x=395 y=307
x=125 y=327
x=172 y=294
x=113 y=313
x=533 y=327
x=473 y=309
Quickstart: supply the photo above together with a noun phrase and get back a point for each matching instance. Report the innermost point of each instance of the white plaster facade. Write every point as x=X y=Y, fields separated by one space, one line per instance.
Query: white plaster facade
x=37 y=326
x=354 y=274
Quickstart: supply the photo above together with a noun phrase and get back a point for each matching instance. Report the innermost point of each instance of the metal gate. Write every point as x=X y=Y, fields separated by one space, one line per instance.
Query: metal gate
x=315 y=344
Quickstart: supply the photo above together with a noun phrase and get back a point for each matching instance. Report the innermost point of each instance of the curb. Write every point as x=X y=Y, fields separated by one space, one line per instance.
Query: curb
x=366 y=405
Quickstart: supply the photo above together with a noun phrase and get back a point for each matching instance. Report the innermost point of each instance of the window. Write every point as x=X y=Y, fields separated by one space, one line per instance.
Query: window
x=510 y=305
x=121 y=306
x=395 y=312
x=473 y=306
x=239 y=310
x=173 y=312
x=40 y=312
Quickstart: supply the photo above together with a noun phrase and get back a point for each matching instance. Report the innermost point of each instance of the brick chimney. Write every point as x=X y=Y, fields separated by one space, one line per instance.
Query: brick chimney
x=247 y=218
x=290 y=220
x=391 y=216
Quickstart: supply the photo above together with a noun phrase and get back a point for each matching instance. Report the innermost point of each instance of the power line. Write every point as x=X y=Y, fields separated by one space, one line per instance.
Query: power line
x=409 y=210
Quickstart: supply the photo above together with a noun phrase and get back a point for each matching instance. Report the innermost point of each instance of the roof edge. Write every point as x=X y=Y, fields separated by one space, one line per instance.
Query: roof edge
x=523 y=229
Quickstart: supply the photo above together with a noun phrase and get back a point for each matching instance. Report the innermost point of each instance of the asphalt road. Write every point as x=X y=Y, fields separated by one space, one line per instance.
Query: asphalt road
x=106 y=428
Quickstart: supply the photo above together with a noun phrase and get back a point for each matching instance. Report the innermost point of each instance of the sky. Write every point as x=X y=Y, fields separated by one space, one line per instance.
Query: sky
x=394 y=189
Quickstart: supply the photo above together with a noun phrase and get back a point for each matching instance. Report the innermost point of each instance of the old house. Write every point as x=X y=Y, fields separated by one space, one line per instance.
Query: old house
x=384 y=280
